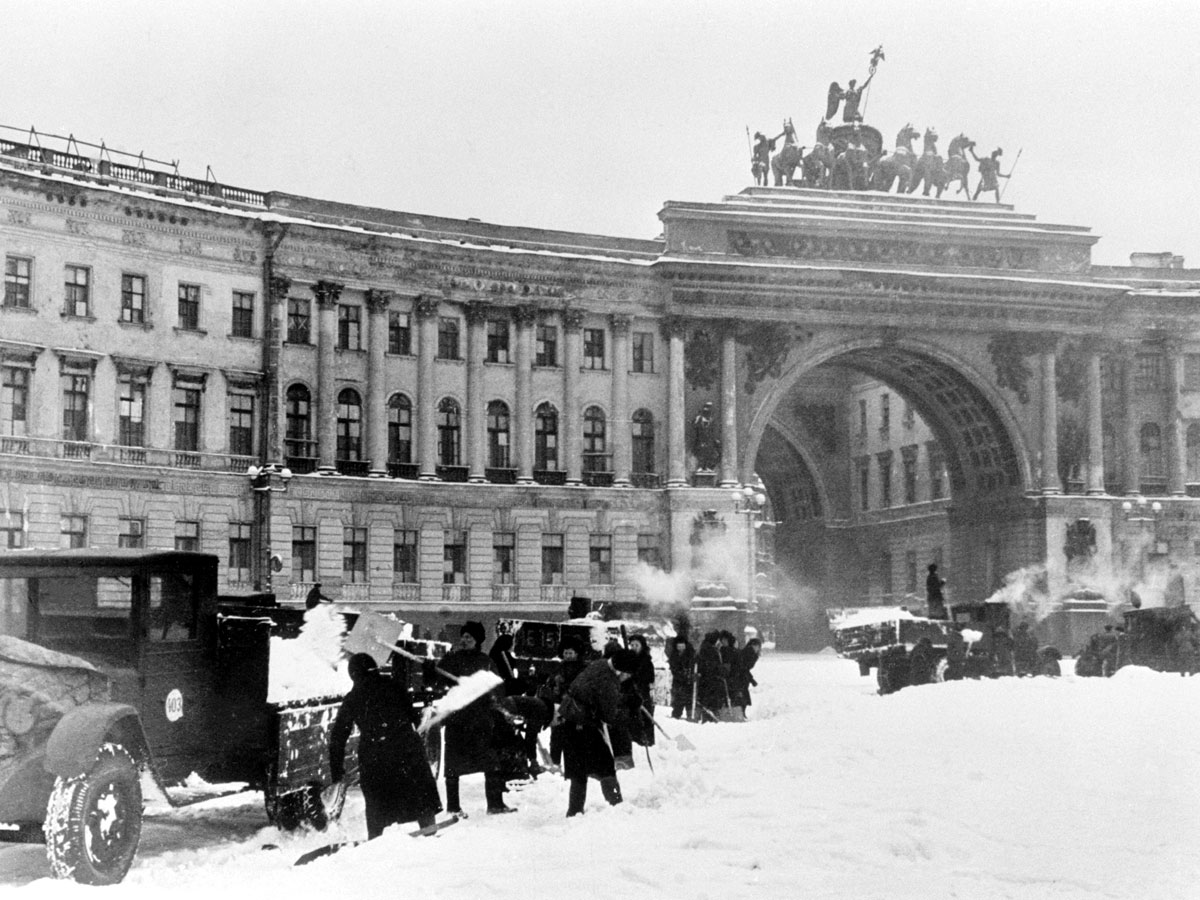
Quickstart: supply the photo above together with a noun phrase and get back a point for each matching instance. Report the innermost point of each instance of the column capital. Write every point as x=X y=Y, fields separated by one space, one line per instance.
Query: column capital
x=279 y=286
x=327 y=292
x=426 y=306
x=378 y=300
x=1043 y=344
x=525 y=314
x=476 y=311
x=620 y=323
x=572 y=318
x=674 y=326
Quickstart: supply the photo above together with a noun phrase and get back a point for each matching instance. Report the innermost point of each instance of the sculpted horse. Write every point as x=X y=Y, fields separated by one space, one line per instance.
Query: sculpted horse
x=957 y=168
x=784 y=163
x=817 y=166
x=929 y=169
x=898 y=166
x=851 y=169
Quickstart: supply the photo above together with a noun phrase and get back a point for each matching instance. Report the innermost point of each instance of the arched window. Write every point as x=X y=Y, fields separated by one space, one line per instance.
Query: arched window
x=349 y=425
x=499 y=456
x=643 y=441
x=545 y=441
x=449 y=426
x=595 y=443
x=1193 y=453
x=399 y=429
x=299 y=421
x=1152 y=451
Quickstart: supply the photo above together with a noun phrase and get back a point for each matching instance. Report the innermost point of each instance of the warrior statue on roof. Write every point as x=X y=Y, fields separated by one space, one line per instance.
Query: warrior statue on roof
x=853 y=94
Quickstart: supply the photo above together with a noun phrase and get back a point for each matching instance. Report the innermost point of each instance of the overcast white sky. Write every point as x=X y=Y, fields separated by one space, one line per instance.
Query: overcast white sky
x=587 y=116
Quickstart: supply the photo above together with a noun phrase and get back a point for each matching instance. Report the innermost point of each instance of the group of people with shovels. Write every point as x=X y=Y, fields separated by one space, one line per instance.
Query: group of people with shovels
x=712 y=684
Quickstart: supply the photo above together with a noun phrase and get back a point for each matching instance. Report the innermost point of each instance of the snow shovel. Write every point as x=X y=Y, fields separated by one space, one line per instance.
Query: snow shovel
x=729 y=712
x=681 y=742
x=330 y=849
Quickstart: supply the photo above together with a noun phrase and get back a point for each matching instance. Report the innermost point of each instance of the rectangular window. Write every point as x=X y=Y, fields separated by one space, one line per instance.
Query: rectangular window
x=885 y=574
x=937 y=471
x=910 y=415
x=354 y=555
x=17 y=272
x=131 y=533
x=404 y=557
x=552 y=559
x=12 y=530
x=76 y=394
x=14 y=401
x=885 y=413
x=885 y=479
x=73 y=532
x=131 y=410
x=239 y=552
x=864 y=484
x=1148 y=376
x=242 y=324
x=910 y=571
x=187 y=536
x=643 y=352
x=909 y=457
x=187 y=398
x=241 y=423
x=299 y=325
x=648 y=551
x=504 y=557
x=349 y=327
x=600 y=559
x=447 y=337
x=304 y=554
x=78 y=291
x=593 y=348
x=497 y=341
x=454 y=558
x=546 y=348
x=189 y=306
x=399 y=333
x=133 y=299
x=862 y=418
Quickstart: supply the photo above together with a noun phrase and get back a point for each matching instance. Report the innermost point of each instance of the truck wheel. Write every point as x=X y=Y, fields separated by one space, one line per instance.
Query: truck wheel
x=94 y=820
x=298 y=808
x=939 y=670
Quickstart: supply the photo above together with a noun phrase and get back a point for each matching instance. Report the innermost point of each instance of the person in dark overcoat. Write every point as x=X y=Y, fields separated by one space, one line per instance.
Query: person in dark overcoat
x=741 y=675
x=471 y=731
x=710 y=678
x=595 y=695
x=956 y=655
x=922 y=662
x=1025 y=650
x=639 y=690
x=571 y=653
x=393 y=769
x=682 y=660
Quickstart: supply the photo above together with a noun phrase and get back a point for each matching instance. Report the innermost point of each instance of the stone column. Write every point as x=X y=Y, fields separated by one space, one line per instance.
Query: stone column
x=376 y=411
x=619 y=430
x=729 y=420
x=1133 y=446
x=327 y=294
x=673 y=328
x=1051 y=483
x=476 y=314
x=569 y=430
x=524 y=317
x=1176 y=431
x=274 y=389
x=1095 y=428
x=427 y=337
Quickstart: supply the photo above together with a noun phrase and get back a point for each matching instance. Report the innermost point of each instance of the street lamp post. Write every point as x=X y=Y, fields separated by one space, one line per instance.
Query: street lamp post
x=750 y=502
x=265 y=481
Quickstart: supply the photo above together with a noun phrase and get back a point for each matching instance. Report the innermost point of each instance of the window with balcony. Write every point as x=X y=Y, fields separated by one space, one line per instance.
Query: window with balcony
x=299 y=323
x=14 y=401
x=76 y=394
x=643 y=352
x=448 y=333
x=643 y=441
x=546 y=346
x=595 y=440
x=241 y=422
x=545 y=438
x=131 y=409
x=449 y=430
x=504 y=557
x=133 y=299
x=593 y=348
x=299 y=422
x=454 y=557
x=131 y=533
x=354 y=555
x=499 y=456
x=1151 y=446
x=399 y=430
x=242 y=324
x=17 y=275
x=404 y=557
x=552 y=559
x=399 y=333
x=187 y=536
x=304 y=554
x=189 y=307
x=78 y=291
x=349 y=326
x=240 y=555
x=600 y=559
x=73 y=532
x=187 y=397
x=885 y=479
x=498 y=341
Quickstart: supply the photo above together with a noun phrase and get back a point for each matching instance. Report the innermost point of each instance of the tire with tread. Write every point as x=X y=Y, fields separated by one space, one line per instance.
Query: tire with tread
x=94 y=820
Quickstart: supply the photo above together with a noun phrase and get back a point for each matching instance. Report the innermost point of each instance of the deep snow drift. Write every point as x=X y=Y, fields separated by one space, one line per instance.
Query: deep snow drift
x=1032 y=788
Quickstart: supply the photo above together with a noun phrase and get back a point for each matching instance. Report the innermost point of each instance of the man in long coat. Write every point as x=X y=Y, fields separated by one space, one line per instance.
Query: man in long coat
x=710 y=678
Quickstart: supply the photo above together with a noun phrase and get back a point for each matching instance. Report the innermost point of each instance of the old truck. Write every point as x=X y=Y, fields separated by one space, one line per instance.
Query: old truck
x=125 y=679
x=1149 y=638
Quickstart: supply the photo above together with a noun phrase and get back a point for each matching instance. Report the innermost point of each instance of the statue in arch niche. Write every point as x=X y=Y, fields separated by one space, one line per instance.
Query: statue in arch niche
x=706 y=441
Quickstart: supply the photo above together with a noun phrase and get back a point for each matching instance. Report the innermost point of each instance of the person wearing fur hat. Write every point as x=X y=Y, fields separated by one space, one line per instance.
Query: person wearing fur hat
x=592 y=703
x=393 y=769
x=640 y=687
x=710 y=678
x=571 y=653
x=471 y=731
